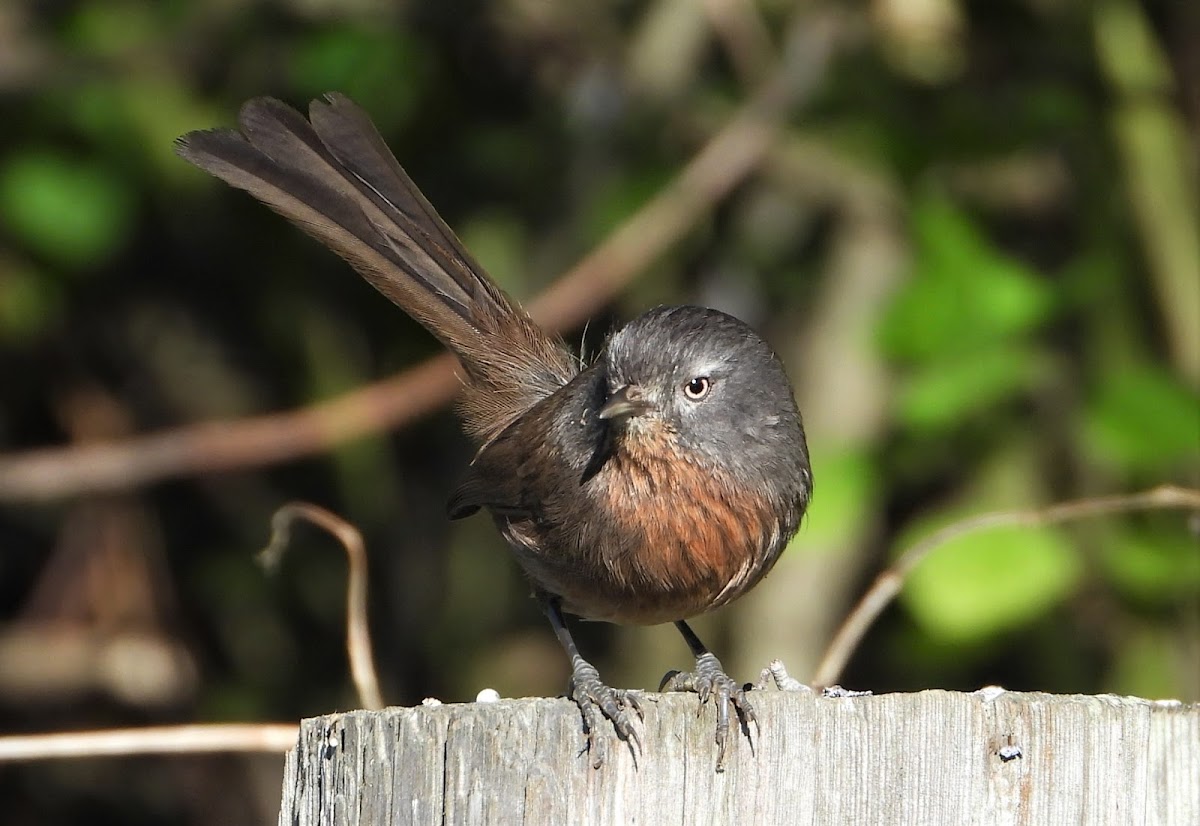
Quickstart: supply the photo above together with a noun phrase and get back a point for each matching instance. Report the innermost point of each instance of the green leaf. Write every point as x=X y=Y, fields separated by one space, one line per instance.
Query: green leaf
x=1152 y=567
x=985 y=584
x=380 y=69
x=73 y=212
x=135 y=120
x=1142 y=418
x=963 y=293
x=939 y=394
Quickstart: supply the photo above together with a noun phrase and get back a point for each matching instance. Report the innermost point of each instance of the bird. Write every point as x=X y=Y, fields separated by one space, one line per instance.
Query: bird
x=653 y=484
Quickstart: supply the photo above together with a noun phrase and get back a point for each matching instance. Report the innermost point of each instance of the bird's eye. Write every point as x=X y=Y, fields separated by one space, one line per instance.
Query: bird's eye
x=697 y=388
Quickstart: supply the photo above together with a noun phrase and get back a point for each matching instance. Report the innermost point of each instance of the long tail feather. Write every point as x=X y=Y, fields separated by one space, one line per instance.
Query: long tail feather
x=334 y=177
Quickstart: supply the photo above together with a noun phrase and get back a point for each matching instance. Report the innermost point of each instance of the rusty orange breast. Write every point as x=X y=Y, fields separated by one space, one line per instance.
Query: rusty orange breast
x=686 y=538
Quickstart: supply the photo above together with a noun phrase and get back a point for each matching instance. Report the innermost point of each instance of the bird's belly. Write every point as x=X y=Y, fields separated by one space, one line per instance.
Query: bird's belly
x=644 y=583
x=654 y=548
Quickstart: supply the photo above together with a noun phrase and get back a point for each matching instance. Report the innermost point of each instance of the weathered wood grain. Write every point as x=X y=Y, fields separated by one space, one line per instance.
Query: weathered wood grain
x=927 y=758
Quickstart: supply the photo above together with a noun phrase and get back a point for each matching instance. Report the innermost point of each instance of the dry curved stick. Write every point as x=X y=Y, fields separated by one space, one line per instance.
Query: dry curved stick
x=888 y=584
x=187 y=739
x=729 y=157
x=358 y=633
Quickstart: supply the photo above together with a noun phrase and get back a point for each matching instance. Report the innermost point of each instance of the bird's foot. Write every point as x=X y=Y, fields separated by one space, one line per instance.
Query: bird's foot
x=597 y=701
x=710 y=682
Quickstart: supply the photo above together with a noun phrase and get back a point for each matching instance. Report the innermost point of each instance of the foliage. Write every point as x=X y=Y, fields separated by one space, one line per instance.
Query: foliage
x=975 y=248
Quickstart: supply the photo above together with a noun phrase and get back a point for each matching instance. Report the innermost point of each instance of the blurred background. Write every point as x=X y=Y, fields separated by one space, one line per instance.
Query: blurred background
x=973 y=239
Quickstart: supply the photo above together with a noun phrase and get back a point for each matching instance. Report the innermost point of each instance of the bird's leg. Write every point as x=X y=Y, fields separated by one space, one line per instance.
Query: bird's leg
x=710 y=681
x=595 y=699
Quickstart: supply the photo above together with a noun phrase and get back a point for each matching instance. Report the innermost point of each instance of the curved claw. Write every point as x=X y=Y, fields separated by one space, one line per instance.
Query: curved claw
x=710 y=682
x=598 y=701
x=631 y=700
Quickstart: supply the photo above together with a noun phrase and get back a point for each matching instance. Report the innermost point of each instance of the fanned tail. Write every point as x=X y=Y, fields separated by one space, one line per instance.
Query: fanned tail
x=334 y=177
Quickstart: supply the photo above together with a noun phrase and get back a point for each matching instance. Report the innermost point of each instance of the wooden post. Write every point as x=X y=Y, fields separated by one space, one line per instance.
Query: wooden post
x=935 y=757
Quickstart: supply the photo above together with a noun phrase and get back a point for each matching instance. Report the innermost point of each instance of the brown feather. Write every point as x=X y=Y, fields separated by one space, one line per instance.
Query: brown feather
x=335 y=178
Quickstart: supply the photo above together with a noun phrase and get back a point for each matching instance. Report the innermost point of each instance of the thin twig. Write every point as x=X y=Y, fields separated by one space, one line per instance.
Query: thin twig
x=358 y=633
x=739 y=148
x=275 y=738
x=888 y=584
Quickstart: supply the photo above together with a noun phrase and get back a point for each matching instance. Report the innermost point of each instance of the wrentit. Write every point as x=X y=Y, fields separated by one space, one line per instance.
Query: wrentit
x=655 y=484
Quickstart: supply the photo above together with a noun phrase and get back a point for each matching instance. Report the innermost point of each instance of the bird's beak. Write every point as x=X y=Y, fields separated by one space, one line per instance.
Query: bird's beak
x=624 y=402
